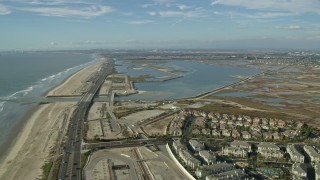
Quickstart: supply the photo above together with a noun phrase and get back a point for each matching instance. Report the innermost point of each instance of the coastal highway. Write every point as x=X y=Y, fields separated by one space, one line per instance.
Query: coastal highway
x=70 y=167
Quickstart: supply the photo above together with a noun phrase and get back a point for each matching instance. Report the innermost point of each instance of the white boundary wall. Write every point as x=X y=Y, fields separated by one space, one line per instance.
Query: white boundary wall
x=178 y=163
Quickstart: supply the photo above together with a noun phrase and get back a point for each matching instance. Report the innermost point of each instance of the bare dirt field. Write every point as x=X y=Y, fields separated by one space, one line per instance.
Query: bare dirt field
x=140 y=116
x=157 y=162
x=158 y=127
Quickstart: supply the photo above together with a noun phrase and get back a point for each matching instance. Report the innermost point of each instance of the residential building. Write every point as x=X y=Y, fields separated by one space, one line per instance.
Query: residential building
x=200 y=121
x=299 y=170
x=256 y=121
x=246 y=124
x=241 y=144
x=215 y=120
x=313 y=154
x=185 y=155
x=295 y=155
x=234 y=174
x=230 y=123
x=188 y=159
x=216 y=132
x=213 y=169
x=267 y=135
x=234 y=151
x=269 y=150
x=281 y=124
x=207 y=156
x=255 y=128
x=265 y=121
x=272 y=123
x=223 y=122
x=177 y=145
x=196 y=131
x=265 y=126
x=290 y=133
x=276 y=136
x=196 y=145
x=239 y=123
x=246 y=135
x=222 y=127
x=256 y=134
x=226 y=133
x=206 y=131
x=214 y=125
x=211 y=115
x=317 y=171
x=235 y=133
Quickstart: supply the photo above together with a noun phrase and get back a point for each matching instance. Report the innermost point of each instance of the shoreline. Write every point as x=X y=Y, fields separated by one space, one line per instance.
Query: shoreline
x=22 y=132
x=16 y=132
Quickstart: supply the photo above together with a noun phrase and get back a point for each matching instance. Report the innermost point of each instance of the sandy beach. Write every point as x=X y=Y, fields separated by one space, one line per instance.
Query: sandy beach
x=42 y=132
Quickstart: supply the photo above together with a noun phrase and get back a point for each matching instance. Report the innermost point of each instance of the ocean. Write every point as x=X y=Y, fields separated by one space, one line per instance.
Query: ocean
x=25 y=77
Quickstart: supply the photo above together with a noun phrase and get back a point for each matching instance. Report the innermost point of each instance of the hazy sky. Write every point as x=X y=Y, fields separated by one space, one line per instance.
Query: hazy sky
x=79 y=24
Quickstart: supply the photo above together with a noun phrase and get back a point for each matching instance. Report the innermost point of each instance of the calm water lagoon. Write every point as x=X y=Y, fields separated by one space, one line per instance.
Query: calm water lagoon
x=199 y=78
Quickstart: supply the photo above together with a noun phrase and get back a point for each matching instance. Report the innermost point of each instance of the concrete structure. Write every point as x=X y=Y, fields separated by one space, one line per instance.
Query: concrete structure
x=295 y=155
x=269 y=150
x=234 y=174
x=207 y=156
x=196 y=145
x=299 y=170
x=213 y=169
x=313 y=154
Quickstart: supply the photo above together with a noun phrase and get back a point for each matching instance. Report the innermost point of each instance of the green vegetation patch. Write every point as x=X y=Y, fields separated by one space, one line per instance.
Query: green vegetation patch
x=46 y=168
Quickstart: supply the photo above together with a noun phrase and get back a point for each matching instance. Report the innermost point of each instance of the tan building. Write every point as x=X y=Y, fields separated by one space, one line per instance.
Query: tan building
x=196 y=145
x=234 y=174
x=295 y=155
x=313 y=154
x=207 y=156
x=213 y=169
x=269 y=150
x=299 y=171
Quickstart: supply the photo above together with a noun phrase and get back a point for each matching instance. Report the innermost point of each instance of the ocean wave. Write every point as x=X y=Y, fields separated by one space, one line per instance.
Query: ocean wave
x=24 y=92
x=2 y=105
x=40 y=84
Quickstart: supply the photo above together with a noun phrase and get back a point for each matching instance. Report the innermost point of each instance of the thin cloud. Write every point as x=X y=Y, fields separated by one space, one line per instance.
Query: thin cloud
x=255 y=15
x=59 y=2
x=183 y=6
x=152 y=13
x=140 y=22
x=288 y=6
x=183 y=14
x=4 y=10
x=291 y=27
x=90 y=12
x=295 y=27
